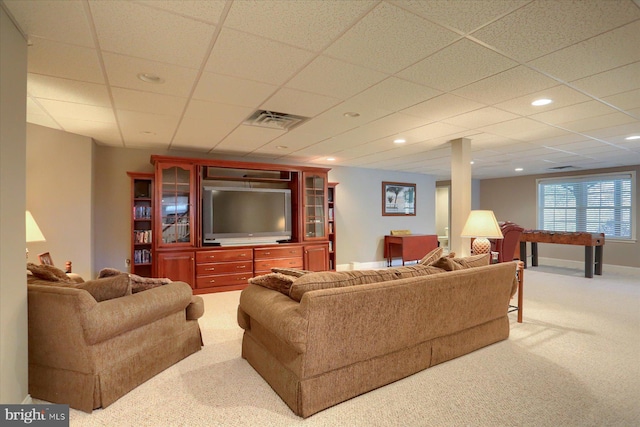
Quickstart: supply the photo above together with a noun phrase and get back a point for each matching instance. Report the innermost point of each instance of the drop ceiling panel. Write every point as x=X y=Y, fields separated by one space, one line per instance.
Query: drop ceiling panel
x=300 y=103
x=307 y=24
x=145 y=102
x=395 y=94
x=601 y=122
x=513 y=127
x=64 y=60
x=626 y=101
x=330 y=77
x=442 y=107
x=103 y=133
x=482 y=117
x=144 y=32
x=58 y=89
x=389 y=39
x=458 y=65
x=294 y=139
x=513 y=83
x=578 y=111
x=613 y=49
x=254 y=58
x=542 y=27
x=232 y=90
x=247 y=138
x=208 y=11
x=561 y=96
x=144 y=128
x=464 y=16
x=70 y=110
x=62 y=21
x=122 y=71
x=611 y=82
x=38 y=116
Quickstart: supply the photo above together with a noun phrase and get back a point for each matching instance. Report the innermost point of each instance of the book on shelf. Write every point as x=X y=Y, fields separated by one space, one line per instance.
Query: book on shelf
x=330 y=214
x=142 y=212
x=142 y=256
x=142 y=236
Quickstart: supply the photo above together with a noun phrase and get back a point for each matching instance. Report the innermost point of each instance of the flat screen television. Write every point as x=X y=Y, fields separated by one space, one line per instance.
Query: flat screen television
x=237 y=216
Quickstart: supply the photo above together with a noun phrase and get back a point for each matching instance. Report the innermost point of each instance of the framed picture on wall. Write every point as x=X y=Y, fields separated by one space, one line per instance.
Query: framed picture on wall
x=398 y=199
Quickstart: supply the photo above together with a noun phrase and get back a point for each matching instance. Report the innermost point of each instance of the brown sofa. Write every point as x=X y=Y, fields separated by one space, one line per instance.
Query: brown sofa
x=87 y=354
x=339 y=342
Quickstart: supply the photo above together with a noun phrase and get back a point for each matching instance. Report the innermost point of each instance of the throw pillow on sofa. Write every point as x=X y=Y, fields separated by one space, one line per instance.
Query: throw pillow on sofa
x=452 y=264
x=138 y=283
x=415 y=270
x=295 y=272
x=108 y=287
x=276 y=281
x=432 y=256
x=336 y=279
x=48 y=273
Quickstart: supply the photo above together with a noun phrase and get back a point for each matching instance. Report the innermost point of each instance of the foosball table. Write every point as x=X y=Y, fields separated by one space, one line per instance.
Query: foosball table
x=590 y=241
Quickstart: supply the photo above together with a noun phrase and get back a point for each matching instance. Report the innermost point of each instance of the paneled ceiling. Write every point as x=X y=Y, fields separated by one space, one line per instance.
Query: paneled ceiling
x=364 y=72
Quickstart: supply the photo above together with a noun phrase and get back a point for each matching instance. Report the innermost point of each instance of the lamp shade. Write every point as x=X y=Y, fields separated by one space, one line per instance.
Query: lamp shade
x=482 y=224
x=33 y=231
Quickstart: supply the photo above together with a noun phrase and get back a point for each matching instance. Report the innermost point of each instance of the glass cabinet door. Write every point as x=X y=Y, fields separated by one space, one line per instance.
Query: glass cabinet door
x=315 y=201
x=176 y=213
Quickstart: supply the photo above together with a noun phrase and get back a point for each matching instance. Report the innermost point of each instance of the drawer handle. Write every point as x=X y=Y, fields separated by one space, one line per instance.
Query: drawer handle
x=211 y=256
x=292 y=262
x=241 y=266
x=212 y=281
x=242 y=278
x=210 y=269
x=292 y=252
x=267 y=253
x=243 y=254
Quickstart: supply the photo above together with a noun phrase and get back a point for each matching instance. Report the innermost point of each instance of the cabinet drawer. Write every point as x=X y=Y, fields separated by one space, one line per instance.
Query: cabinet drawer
x=267 y=264
x=224 y=255
x=287 y=252
x=224 y=268
x=224 y=280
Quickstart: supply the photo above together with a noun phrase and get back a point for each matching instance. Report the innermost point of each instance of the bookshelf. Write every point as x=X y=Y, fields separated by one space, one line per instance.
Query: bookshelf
x=331 y=214
x=141 y=261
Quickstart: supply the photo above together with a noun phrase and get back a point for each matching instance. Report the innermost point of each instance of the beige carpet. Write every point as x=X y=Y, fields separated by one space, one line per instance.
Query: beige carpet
x=575 y=361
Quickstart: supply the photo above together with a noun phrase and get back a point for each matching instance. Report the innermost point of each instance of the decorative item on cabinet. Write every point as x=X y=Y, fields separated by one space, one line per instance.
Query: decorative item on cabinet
x=331 y=202
x=141 y=262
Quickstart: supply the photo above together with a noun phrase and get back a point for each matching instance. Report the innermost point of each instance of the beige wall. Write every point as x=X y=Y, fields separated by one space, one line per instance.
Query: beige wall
x=59 y=195
x=514 y=199
x=13 y=289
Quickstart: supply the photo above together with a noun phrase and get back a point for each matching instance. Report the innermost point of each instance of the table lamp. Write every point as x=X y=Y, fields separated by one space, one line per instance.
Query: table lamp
x=32 y=231
x=483 y=226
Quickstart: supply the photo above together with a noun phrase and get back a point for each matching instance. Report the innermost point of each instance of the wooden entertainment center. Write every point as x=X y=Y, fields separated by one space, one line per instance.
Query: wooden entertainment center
x=173 y=233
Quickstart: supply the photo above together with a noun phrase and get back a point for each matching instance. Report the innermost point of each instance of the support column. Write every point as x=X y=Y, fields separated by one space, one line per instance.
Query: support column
x=460 y=195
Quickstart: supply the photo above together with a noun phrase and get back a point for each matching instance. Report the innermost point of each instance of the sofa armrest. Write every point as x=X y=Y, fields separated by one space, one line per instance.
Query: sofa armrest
x=111 y=318
x=276 y=312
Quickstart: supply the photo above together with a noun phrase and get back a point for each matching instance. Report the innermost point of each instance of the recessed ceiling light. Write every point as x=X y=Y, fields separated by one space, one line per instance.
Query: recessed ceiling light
x=541 y=101
x=471 y=162
x=150 y=78
x=331 y=159
x=351 y=114
x=399 y=141
x=632 y=137
x=519 y=169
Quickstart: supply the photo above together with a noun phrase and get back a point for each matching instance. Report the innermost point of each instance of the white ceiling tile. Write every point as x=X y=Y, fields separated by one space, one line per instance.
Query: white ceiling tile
x=144 y=128
x=513 y=127
x=207 y=11
x=58 y=89
x=64 y=60
x=513 y=83
x=574 y=112
x=451 y=68
x=542 y=27
x=617 y=134
x=292 y=101
x=308 y=24
x=255 y=58
x=136 y=30
x=395 y=94
x=561 y=95
x=294 y=139
x=389 y=39
x=102 y=132
x=626 y=101
x=232 y=90
x=482 y=117
x=123 y=71
x=145 y=102
x=462 y=15
x=247 y=138
x=613 y=49
x=442 y=107
x=69 y=110
x=331 y=77
x=611 y=82
x=38 y=116
x=601 y=122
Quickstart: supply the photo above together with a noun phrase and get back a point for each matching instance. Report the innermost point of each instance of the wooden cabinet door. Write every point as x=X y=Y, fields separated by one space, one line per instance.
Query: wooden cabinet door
x=316 y=257
x=175 y=205
x=177 y=266
x=314 y=205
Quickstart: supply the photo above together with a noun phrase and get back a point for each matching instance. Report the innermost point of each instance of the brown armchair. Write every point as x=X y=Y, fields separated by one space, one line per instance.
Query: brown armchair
x=506 y=247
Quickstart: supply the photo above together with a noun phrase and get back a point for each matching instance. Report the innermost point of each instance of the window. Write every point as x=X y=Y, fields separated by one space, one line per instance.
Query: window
x=591 y=203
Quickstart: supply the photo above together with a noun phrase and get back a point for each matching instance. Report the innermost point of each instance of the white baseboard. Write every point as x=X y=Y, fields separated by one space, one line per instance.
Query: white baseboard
x=27 y=400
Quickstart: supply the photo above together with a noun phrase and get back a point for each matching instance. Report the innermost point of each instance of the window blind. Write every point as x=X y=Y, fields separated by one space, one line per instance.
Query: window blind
x=593 y=203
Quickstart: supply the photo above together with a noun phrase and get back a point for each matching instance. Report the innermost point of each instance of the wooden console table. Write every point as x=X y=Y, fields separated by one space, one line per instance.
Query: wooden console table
x=588 y=240
x=410 y=247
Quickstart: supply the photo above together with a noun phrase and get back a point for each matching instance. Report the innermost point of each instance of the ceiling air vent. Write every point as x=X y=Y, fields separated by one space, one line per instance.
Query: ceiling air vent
x=563 y=168
x=274 y=120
